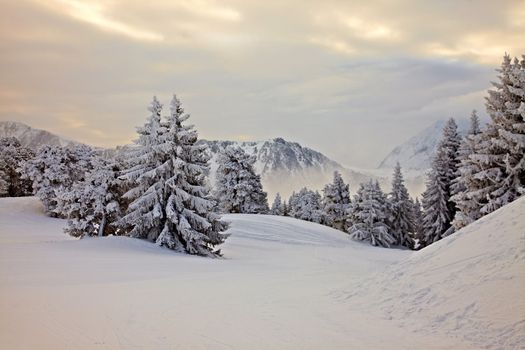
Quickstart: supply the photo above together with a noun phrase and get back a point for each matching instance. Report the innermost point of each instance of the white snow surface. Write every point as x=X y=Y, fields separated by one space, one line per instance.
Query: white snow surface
x=282 y=284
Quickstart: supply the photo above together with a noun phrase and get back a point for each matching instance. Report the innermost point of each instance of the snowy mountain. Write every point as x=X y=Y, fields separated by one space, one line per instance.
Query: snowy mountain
x=283 y=284
x=31 y=137
x=418 y=151
x=287 y=166
x=284 y=166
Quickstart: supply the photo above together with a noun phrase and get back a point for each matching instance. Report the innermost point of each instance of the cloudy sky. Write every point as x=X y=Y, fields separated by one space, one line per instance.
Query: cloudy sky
x=351 y=79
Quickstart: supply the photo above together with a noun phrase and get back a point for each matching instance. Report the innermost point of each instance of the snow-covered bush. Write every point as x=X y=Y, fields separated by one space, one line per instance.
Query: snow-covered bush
x=54 y=170
x=12 y=159
x=93 y=204
x=306 y=205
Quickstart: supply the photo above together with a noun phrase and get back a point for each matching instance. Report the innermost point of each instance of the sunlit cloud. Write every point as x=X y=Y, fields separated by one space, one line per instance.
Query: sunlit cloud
x=475 y=46
x=337 y=45
x=209 y=9
x=94 y=14
x=255 y=69
x=369 y=30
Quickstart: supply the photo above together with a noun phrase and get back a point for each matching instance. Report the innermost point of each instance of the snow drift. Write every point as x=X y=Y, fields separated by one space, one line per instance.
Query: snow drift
x=468 y=286
x=283 y=284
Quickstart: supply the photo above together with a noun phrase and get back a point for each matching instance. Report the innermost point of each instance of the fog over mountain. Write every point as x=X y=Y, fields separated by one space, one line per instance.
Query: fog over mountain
x=284 y=166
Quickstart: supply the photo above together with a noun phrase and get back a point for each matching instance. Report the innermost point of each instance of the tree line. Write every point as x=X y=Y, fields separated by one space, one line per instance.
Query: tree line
x=158 y=188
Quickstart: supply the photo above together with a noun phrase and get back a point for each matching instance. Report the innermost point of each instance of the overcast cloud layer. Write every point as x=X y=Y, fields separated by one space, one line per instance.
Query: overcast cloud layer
x=351 y=79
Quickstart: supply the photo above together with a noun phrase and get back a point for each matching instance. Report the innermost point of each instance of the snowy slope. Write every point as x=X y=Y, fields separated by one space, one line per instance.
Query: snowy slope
x=31 y=137
x=418 y=151
x=468 y=286
x=283 y=284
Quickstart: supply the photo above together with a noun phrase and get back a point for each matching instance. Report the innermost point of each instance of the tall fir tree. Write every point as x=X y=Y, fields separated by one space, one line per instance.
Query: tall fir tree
x=369 y=216
x=170 y=202
x=402 y=219
x=336 y=202
x=238 y=187
x=144 y=214
x=438 y=209
x=465 y=176
x=497 y=163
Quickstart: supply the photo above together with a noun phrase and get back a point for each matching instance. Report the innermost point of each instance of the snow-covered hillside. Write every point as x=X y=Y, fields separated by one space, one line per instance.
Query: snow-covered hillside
x=417 y=152
x=31 y=137
x=283 y=284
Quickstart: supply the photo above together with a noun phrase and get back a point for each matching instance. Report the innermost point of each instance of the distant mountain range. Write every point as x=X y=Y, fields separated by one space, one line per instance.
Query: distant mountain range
x=30 y=137
x=286 y=166
x=418 y=151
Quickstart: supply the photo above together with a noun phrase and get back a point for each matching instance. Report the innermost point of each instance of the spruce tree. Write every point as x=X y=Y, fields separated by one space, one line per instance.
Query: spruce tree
x=170 y=202
x=369 y=215
x=436 y=214
x=239 y=189
x=402 y=219
x=438 y=209
x=498 y=163
x=466 y=208
x=336 y=202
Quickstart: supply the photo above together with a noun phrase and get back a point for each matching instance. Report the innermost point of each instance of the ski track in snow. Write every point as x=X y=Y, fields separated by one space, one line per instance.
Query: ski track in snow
x=282 y=284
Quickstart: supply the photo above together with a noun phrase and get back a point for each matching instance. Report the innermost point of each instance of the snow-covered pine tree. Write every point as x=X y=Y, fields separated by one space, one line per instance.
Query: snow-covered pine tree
x=369 y=215
x=438 y=209
x=54 y=170
x=466 y=171
x=306 y=205
x=93 y=204
x=436 y=216
x=336 y=202
x=292 y=203
x=145 y=183
x=12 y=159
x=170 y=202
x=238 y=188
x=277 y=206
x=498 y=162
x=402 y=222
